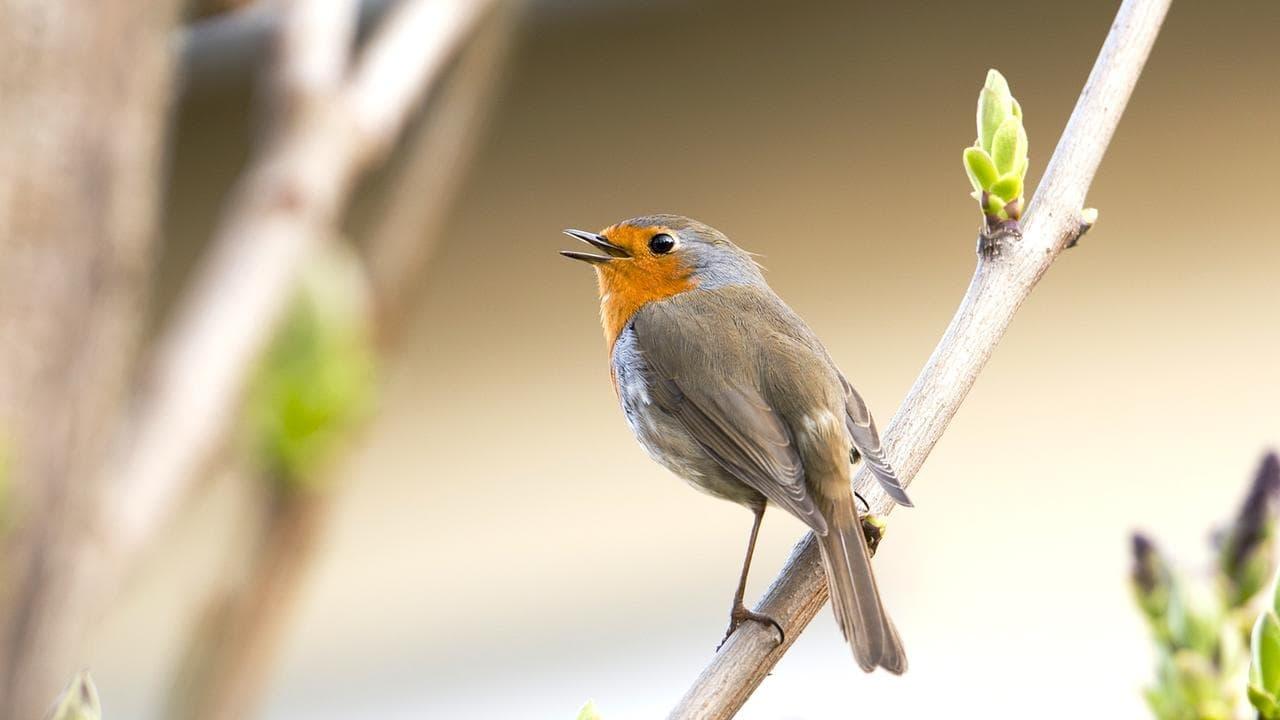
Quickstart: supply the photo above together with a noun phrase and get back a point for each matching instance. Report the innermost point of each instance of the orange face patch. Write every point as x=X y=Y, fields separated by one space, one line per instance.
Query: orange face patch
x=628 y=284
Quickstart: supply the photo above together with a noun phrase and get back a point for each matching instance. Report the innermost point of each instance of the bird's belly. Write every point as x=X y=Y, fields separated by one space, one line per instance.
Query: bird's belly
x=664 y=437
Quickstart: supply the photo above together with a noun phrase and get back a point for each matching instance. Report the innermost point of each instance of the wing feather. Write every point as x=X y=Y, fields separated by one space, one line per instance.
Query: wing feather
x=734 y=424
x=867 y=441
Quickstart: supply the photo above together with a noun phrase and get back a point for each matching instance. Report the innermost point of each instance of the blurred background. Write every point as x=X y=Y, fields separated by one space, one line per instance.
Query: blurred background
x=498 y=546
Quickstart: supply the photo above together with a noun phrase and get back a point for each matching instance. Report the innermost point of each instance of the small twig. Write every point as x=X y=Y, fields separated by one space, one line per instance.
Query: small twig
x=997 y=290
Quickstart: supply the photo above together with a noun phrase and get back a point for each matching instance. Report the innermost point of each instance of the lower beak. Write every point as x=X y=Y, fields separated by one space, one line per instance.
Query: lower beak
x=596 y=241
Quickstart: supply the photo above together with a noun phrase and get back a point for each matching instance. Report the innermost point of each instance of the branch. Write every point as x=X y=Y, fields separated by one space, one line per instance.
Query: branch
x=218 y=49
x=329 y=124
x=228 y=662
x=279 y=211
x=999 y=286
x=423 y=188
x=86 y=89
x=283 y=209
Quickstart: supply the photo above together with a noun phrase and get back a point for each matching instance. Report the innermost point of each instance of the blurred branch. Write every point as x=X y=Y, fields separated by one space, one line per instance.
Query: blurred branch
x=85 y=90
x=1000 y=284
x=422 y=190
x=228 y=661
x=330 y=122
x=229 y=658
x=284 y=207
x=216 y=48
x=212 y=8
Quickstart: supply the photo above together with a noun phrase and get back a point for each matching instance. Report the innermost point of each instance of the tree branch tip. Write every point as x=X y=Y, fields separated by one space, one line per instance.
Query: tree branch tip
x=1088 y=217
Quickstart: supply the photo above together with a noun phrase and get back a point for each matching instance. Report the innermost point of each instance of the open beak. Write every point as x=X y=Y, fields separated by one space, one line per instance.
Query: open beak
x=597 y=241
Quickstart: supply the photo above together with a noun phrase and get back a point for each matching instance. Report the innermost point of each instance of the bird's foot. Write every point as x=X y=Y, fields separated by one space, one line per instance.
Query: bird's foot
x=873 y=529
x=741 y=614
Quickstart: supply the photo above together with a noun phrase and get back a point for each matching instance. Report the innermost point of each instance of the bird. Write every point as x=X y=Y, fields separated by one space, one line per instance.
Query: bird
x=725 y=386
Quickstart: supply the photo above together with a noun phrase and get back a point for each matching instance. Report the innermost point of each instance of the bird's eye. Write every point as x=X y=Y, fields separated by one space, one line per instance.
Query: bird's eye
x=661 y=244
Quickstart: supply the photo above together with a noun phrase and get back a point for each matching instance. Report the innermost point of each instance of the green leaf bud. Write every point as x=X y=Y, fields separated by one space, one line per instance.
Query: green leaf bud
x=995 y=104
x=1008 y=187
x=982 y=172
x=78 y=702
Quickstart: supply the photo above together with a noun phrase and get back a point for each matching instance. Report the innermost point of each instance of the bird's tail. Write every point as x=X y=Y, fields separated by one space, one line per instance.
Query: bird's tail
x=854 y=595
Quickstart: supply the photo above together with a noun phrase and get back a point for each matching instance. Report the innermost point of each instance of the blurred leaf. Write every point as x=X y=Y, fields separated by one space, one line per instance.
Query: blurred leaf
x=1265 y=648
x=995 y=104
x=1193 y=623
x=1016 y=110
x=78 y=702
x=589 y=712
x=982 y=172
x=1201 y=686
x=317 y=381
x=1246 y=557
x=1250 y=575
x=1152 y=583
x=1262 y=701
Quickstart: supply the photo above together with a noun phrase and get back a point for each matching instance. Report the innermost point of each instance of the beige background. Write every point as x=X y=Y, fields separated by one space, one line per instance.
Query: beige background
x=503 y=549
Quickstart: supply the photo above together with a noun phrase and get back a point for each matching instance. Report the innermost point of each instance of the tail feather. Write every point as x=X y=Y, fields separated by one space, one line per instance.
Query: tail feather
x=855 y=598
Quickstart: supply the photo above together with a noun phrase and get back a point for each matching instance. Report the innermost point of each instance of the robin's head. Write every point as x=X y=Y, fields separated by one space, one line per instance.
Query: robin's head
x=651 y=258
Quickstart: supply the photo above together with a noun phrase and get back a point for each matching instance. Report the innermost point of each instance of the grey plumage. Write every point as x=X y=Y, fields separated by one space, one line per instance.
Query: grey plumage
x=758 y=413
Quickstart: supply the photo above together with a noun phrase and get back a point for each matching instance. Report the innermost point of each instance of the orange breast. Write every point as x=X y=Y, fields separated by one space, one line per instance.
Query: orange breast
x=629 y=284
x=621 y=298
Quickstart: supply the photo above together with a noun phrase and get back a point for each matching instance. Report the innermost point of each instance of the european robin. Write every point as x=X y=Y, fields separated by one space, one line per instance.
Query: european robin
x=728 y=388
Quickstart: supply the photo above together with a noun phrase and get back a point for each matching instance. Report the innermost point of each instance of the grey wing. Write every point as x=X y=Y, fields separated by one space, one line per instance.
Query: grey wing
x=735 y=425
x=867 y=441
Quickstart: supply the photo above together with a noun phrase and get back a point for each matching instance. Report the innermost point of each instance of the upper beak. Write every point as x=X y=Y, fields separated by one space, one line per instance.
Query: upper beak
x=598 y=241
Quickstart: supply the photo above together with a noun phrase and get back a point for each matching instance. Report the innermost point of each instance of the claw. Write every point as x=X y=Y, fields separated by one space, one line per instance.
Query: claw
x=741 y=614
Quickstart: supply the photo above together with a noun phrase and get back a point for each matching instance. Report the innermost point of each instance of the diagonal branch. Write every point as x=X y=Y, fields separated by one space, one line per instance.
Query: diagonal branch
x=999 y=286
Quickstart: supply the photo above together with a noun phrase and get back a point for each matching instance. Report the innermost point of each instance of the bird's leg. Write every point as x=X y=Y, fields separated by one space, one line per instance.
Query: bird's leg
x=740 y=613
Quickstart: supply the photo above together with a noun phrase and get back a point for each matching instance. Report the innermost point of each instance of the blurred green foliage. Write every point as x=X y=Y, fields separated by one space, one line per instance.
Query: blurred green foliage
x=589 y=712
x=78 y=702
x=1201 y=628
x=997 y=162
x=317 y=381
x=1264 y=665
